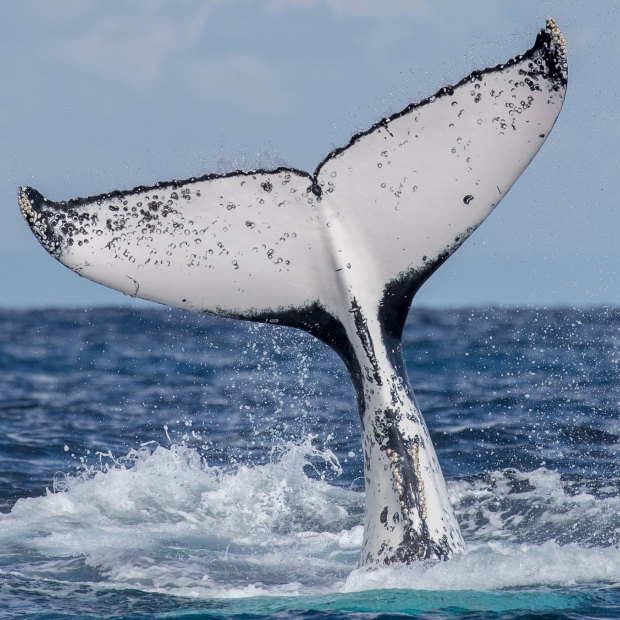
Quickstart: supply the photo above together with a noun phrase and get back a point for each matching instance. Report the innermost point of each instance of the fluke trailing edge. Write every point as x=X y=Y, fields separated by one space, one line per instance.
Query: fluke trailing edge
x=339 y=253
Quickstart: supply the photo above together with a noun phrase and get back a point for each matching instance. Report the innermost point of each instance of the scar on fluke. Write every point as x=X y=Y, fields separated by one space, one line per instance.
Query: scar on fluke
x=340 y=253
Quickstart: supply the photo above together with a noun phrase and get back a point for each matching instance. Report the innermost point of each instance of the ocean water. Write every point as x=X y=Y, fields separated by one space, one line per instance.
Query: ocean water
x=158 y=464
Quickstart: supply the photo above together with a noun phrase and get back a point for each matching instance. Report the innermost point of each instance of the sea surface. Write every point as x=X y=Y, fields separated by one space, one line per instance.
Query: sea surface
x=158 y=464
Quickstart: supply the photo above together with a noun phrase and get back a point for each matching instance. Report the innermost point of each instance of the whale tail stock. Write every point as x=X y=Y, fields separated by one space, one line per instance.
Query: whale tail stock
x=339 y=253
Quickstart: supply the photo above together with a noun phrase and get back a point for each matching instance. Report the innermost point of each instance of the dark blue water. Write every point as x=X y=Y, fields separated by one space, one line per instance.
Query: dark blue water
x=166 y=465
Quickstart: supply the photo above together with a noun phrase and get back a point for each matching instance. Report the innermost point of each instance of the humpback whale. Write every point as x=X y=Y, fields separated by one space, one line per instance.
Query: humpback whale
x=339 y=253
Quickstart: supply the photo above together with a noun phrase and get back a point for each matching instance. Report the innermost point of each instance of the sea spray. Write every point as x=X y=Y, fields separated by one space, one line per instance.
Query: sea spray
x=163 y=520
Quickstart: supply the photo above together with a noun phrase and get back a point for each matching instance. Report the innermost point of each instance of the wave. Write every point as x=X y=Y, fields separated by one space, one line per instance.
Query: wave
x=161 y=519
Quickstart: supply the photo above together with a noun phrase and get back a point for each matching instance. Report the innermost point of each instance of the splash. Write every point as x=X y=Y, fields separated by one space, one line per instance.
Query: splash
x=164 y=520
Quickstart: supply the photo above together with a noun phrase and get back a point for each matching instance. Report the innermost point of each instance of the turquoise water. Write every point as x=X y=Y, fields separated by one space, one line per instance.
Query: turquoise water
x=548 y=603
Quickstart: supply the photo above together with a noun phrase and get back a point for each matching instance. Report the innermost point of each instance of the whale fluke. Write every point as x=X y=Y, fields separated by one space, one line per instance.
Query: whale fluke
x=339 y=253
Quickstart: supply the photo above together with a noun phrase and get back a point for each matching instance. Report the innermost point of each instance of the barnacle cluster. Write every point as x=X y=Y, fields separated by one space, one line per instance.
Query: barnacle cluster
x=24 y=206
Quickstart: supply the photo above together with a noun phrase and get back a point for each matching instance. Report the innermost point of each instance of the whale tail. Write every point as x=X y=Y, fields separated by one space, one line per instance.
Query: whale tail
x=339 y=253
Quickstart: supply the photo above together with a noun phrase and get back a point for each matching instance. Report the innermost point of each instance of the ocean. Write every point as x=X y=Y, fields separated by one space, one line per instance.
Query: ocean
x=160 y=464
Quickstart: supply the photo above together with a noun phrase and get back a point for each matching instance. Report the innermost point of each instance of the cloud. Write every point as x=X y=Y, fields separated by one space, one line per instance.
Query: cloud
x=117 y=49
x=134 y=42
x=363 y=8
x=236 y=78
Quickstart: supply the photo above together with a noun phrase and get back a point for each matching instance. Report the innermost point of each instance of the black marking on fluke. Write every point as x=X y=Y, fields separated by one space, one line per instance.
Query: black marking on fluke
x=339 y=253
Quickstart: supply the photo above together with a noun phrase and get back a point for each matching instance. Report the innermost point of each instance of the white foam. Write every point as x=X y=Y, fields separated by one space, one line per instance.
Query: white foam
x=533 y=508
x=163 y=520
x=170 y=522
x=494 y=566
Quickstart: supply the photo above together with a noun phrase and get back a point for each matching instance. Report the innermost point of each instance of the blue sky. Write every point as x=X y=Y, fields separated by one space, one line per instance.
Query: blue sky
x=109 y=95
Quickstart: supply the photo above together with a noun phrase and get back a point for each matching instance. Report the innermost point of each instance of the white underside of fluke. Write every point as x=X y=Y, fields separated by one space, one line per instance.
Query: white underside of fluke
x=339 y=253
